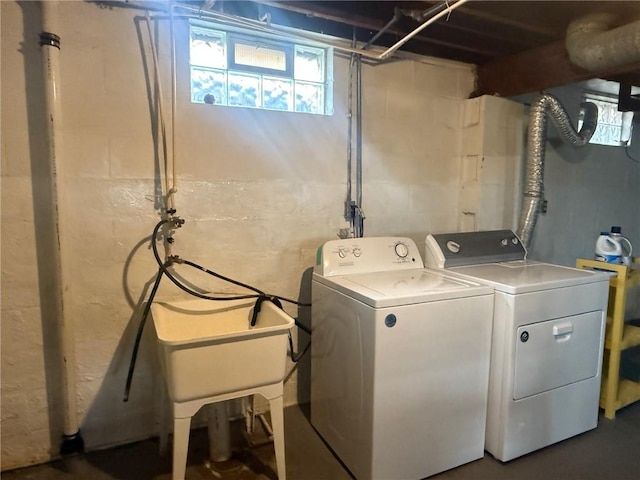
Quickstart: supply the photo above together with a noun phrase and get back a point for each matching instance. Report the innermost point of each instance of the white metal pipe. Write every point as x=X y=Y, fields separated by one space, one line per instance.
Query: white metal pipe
x=174 y=188
x=219 y=432
x=163 y=128
x=408 y=37
x=50 y=42
x=256 y=25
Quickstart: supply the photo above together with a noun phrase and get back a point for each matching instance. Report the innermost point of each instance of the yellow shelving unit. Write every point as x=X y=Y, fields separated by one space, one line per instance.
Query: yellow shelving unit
x=617 y=392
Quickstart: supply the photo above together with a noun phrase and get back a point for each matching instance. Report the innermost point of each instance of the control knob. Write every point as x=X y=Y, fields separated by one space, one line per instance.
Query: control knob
x=401 y=250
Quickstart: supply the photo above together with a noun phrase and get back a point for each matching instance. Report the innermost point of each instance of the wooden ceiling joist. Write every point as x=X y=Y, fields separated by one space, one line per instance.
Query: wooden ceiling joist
x=535 y=70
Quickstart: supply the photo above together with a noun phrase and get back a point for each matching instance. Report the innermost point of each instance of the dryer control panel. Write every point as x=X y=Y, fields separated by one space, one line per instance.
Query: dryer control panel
x=367 y=254
x=445 y=250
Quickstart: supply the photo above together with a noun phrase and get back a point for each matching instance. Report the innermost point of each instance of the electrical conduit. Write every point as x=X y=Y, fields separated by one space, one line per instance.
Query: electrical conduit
x=72 y=441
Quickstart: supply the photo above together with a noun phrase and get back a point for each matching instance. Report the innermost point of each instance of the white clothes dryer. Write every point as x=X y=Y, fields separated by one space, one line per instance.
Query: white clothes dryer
x=400 y=360
x=548 y=334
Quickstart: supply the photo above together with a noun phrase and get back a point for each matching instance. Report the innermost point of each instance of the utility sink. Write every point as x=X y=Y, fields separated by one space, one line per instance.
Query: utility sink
x=209 y=348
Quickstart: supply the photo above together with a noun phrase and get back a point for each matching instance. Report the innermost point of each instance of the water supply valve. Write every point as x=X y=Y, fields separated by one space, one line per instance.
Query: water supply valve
x=177 y=222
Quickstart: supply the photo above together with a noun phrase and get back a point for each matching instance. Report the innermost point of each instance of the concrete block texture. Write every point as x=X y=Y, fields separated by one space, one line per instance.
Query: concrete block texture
x=492 y=151
x=259 y=190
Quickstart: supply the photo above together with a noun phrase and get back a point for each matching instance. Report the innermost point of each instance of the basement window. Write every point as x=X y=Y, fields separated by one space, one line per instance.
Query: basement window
x=614 y=127
x=235 y=69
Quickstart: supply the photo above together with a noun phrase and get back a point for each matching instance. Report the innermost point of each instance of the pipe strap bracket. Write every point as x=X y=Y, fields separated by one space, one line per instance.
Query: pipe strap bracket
x=51 y=39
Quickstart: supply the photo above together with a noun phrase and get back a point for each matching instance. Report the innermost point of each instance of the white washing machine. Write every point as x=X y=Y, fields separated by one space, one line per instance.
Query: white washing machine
x=400 y=360
x=548 y=332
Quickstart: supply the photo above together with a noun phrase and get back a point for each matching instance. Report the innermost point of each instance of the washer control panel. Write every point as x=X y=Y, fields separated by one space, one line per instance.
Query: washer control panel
x=367 y=254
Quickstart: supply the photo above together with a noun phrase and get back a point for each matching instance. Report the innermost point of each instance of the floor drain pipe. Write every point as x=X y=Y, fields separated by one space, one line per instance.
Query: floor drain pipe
x=72 y=441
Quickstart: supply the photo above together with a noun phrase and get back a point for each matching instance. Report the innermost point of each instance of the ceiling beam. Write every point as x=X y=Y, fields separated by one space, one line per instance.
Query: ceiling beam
x=504 y=20
x=321 y=12
x=535 y=70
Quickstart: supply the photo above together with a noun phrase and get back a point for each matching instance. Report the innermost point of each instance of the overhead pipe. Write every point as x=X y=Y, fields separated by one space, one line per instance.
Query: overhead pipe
x=72 y=441
x=594 y=46
x=422 y=15
x=445 y=8
x=449 y=6
x=445 y=11
x=544 y=105
x=397 y=15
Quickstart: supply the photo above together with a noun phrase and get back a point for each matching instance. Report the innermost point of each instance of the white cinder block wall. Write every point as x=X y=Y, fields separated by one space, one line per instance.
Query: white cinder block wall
x=492 y=149
x=259 y=191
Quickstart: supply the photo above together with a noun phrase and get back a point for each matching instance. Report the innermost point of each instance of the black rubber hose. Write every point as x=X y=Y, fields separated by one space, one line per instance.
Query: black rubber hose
x=217 y=275
x=163 y=270
x=136 y=345
x=296 y=357
x=222 y=277
x=186 y=289
x=302 y=327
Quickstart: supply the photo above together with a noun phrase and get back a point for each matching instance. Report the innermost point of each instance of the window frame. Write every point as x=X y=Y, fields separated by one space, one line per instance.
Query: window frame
x=288 y=49
x=236 y=35
x=611 y=102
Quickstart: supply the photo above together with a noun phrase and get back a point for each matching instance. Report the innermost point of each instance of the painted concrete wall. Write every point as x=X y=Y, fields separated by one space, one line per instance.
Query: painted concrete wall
x=259 y=191
x=492 y=150
x=588 y=189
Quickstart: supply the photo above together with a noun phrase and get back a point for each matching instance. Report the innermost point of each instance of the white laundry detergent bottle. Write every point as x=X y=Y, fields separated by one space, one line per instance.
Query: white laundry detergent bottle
x=625 y=245
x=607 y=249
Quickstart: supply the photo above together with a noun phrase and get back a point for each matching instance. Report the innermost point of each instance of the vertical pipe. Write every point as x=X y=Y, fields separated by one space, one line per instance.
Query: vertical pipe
x=359 y=216
x=160 y=111
x=219 y=432
x=174 y=188
x=50 y=42
x=349 y=213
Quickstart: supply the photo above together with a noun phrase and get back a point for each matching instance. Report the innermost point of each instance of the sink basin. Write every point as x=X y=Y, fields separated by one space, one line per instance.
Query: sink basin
x=209 y=348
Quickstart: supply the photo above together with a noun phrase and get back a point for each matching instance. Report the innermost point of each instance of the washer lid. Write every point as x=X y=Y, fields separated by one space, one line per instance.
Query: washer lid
x=528 y=276
x=389 y=289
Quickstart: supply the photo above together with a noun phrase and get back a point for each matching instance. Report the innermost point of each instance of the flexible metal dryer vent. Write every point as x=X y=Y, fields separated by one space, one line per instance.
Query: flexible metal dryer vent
x=537 y=137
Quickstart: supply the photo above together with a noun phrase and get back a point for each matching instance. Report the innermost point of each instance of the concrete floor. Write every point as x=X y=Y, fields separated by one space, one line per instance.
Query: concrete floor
x=612 y=451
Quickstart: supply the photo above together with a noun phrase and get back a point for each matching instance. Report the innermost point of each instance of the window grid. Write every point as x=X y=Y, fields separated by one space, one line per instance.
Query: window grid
x=217 y=77
x=611 y=123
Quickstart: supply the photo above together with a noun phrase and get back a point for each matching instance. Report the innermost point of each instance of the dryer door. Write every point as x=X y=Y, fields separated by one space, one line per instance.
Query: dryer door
x=556 y=353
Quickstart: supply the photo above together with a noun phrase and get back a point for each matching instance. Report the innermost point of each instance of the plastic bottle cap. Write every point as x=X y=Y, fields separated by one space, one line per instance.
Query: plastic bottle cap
x=616 y=229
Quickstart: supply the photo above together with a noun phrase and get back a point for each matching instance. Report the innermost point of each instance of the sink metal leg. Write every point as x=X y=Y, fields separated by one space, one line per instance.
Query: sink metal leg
x=277 y=424
x=181 y=429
